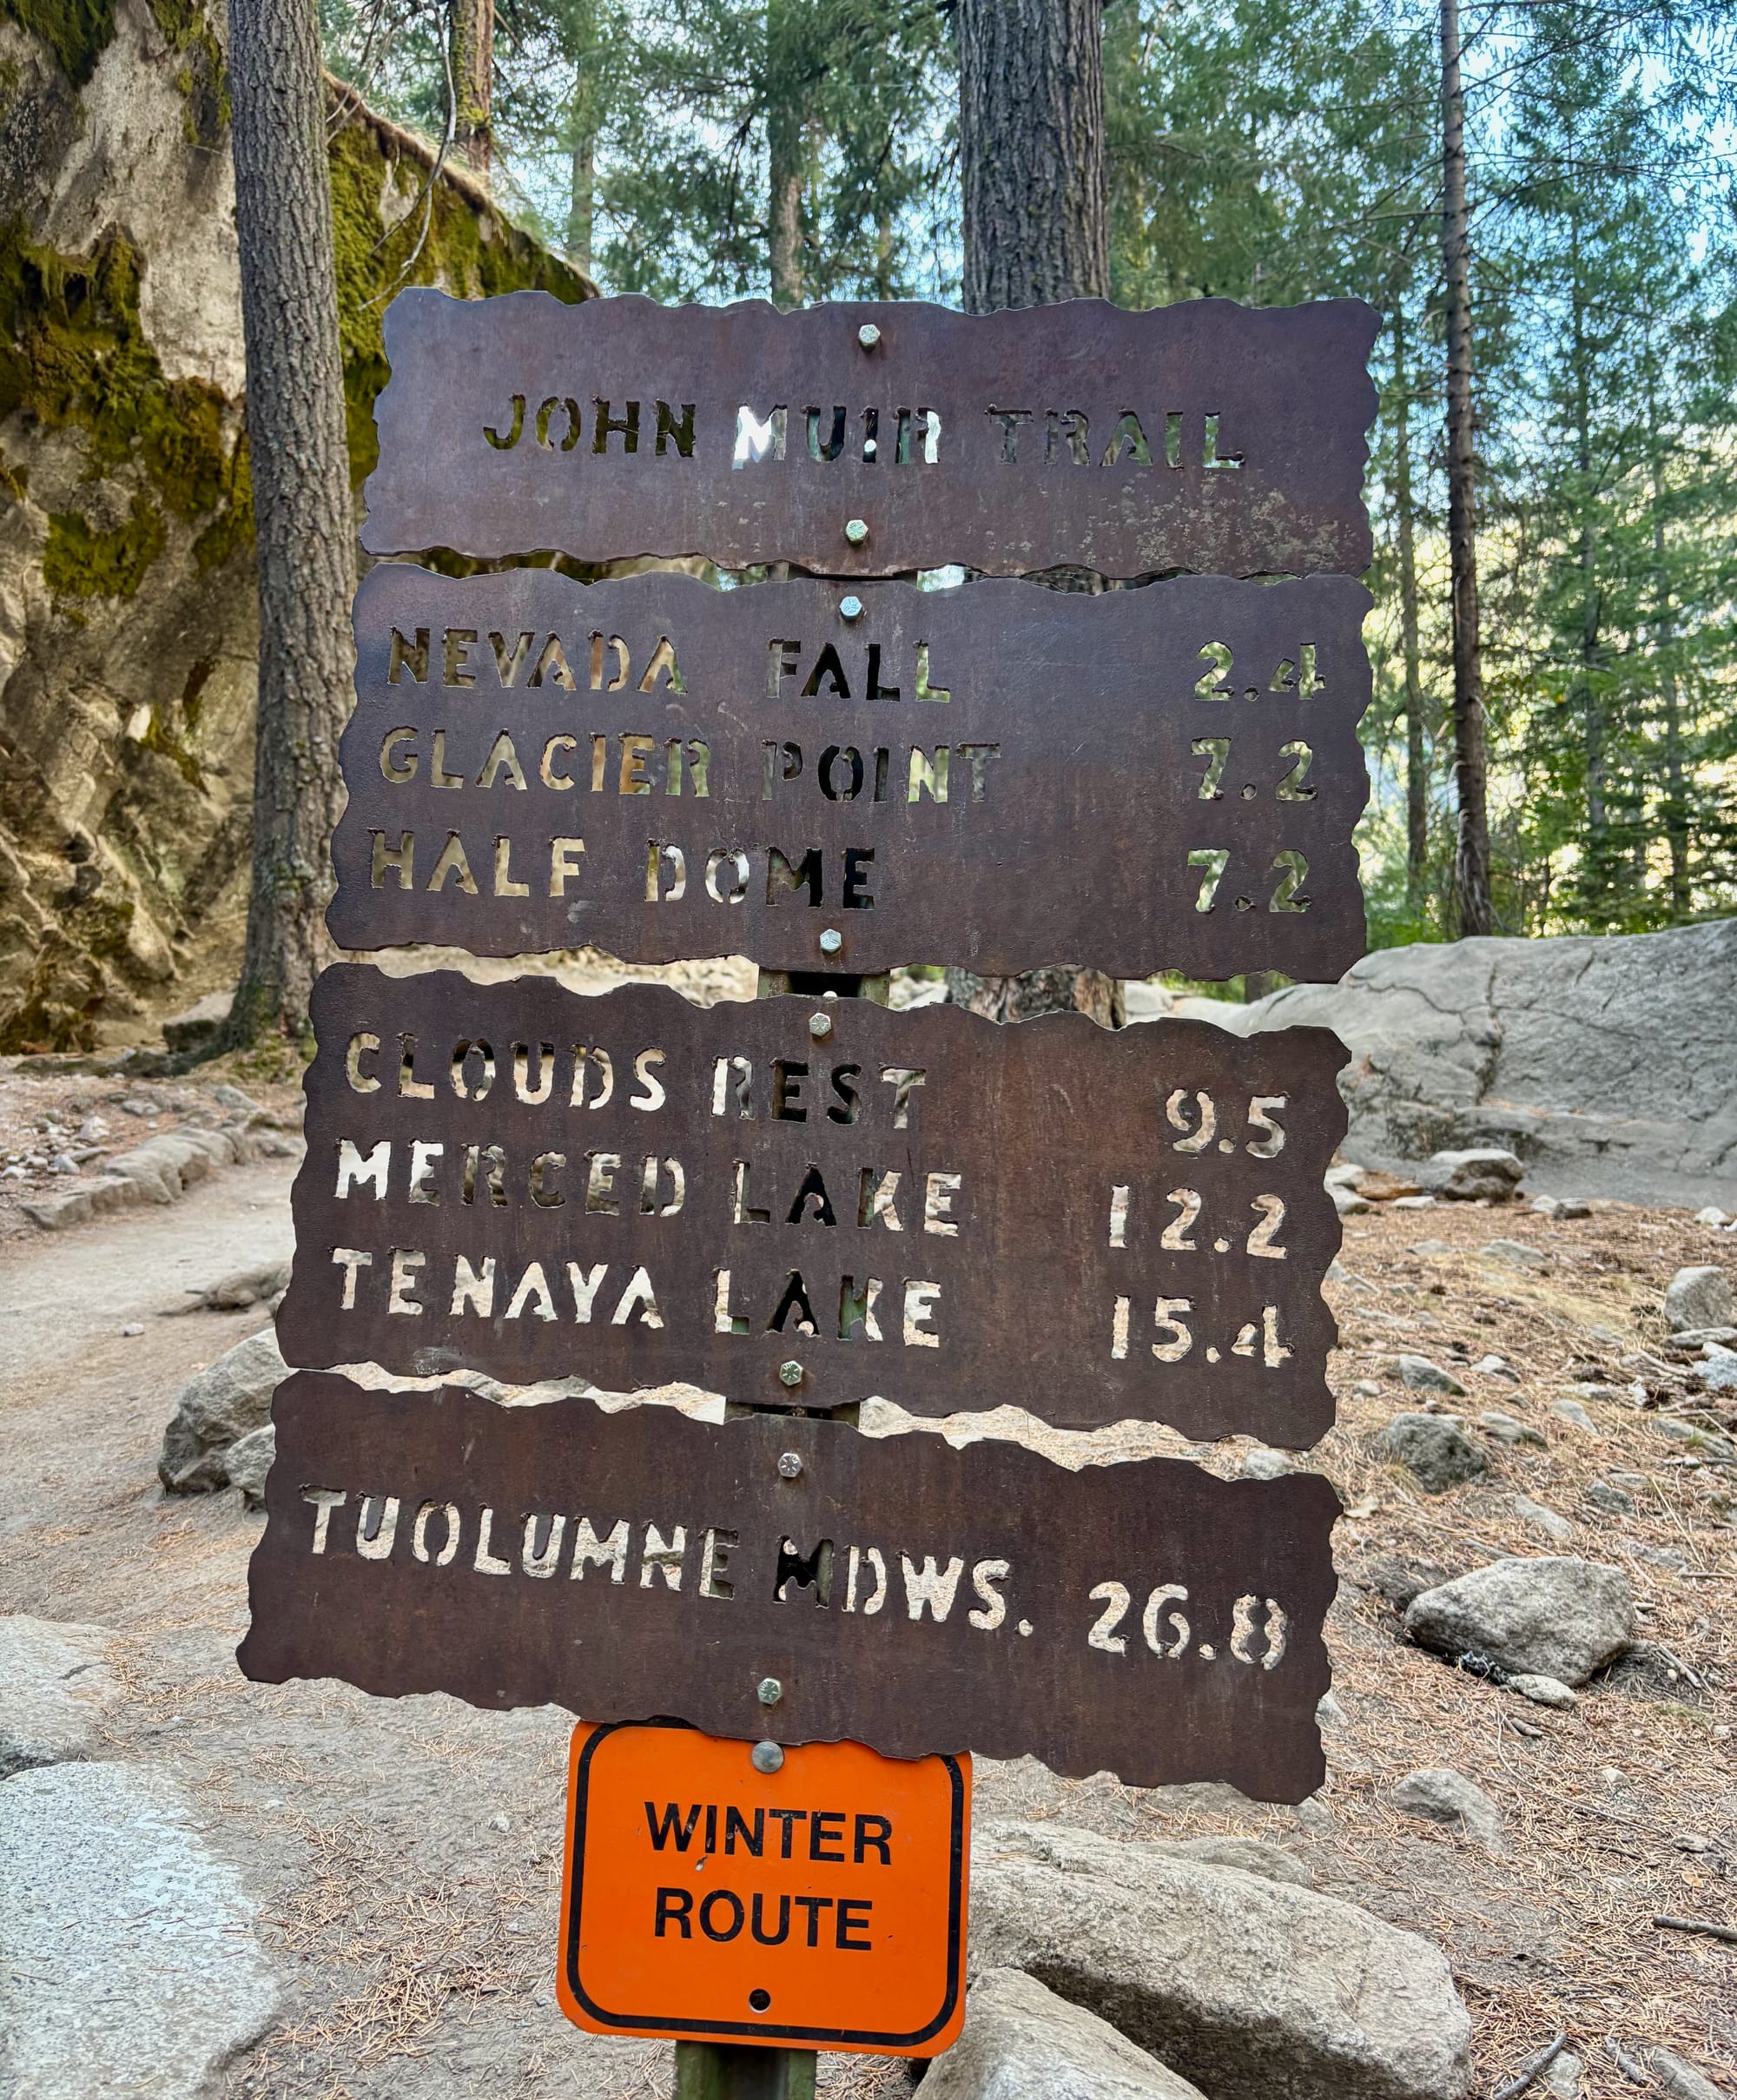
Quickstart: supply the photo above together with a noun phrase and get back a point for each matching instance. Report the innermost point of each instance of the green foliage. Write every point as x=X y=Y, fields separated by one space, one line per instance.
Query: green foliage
x=76 y=31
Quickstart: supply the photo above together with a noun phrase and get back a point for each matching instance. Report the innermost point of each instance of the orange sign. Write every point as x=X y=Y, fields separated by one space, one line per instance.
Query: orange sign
x=822 y=1905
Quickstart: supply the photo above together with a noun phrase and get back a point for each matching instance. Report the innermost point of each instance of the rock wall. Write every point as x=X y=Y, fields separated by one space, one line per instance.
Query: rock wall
x=1606 y=1063
x=128 y=621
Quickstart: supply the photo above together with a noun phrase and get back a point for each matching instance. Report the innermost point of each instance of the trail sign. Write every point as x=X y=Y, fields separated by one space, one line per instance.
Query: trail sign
x=797 y=1201
x=798 y=1580
x=821 y=1902
x=996 y=777
x=867 y=440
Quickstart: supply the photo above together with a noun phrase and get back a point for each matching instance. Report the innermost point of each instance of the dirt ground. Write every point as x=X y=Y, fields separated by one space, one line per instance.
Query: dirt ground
x=406 y=1854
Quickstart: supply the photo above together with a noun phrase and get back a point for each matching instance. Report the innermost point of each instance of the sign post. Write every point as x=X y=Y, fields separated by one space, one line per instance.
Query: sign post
x=787 y=1634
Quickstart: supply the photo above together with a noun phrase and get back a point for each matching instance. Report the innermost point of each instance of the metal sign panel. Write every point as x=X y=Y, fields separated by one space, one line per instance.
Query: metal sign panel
x=998 y=776
x=1205 y=436
x=793 y=1200
x=822 y=1905
x=793 y=1579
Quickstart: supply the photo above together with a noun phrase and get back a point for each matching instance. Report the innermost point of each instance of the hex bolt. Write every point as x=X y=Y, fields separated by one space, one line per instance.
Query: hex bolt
x=850 y=608
x=789 y=1465
x=855 y=530
x=766 y=1757
x=768 y=1691
x=790 y=1372
x=868 y=335
x=820 y=1026
x=831 y=940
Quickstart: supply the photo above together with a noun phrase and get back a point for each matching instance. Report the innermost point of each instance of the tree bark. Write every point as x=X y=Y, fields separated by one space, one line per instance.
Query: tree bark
x=301 y=503
x=472 y=29
x=1592 y=706
x=784 y=153
x=582 y=203
x=1475 y=912
x=1031 y=149
x=1664 y=628
x=1417 y=757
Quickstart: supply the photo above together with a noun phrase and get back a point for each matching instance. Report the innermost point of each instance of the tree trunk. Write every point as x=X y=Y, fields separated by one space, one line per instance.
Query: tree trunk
x=785 y=156
x=301 y=503
x=1664 y=628
x=1474 y=911
x=473 y=50
x=1031 y=151
x=582 y=203
x=1416 y=758
x=1592 y=708
x=1031 y=148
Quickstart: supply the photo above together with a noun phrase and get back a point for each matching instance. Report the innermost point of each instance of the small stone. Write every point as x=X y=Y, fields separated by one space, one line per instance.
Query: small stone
x=1442 y=1795
x=1545 y=1206
x=1571 y=1410
x=1711 y=1216
x=1615 y=1501
x=1541 y=1519
x=1366 y=1388
x=1562 y=2076
x=1413 y=1203
x=1516 y=1254
x=1021 y=2042
x=1429 y=1250
x=1486 y=1173
x=1346 y=1201
x=1497 y=1367
x=217 y=1407
x=1692 y=1841
x=1719 y=1370
x=501 y=1822
x=1678 y=2078
x=1543 y=1691
x=1419 y=1375
x=1698 y=1297
x=233 y=1098
x=248 y=1460
x=1329 y=1711
x=1705 y=1443
x=1574 y=1206
x=133 y=1328
x=1435 y=1449
x=1261 y=1464
x=1507 y=1428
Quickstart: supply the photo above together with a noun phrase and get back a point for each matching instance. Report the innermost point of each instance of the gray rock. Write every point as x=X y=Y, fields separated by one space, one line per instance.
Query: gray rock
x=248 y=1460
x=1261 y=1464
x=199 y=1024
x=217 y=1407
x=1419 y=1375
x=1435 y=1449
x=1486 y=1173
x=1562 y=2075
x=1329 y=1710
x=1539 y=1517
x=1680 y=2080
x=1615 y=1501
x=55 y=1686
x=236 y=1101
x=1235 y=1982
x=1516 y=1254
x=1497 y=1367
x=1718 y=1371
x=1562 y=1206
x=1440 y=1795
x=1543 y=1691
x=245 y=1287
x=1571 y=1410
x=1020 y=2042
x=1696 y=1437
x=1430 y=1250
x=1247 y=1855
x=1710 y=1215
x=1507 y=1428
x=1346 y=1201
x=1698 y=1297
x=129 y=1950
x=1479 y=1043
x=1558 y=1617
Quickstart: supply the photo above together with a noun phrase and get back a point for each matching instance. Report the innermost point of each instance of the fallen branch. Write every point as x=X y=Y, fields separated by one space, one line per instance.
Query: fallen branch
x=1727 y=1933
x=1523 y=2078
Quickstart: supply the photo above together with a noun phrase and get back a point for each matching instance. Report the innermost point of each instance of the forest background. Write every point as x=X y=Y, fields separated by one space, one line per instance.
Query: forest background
x=1268 y=151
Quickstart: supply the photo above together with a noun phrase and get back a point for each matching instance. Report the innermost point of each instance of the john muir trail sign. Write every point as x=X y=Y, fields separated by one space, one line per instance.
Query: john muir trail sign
x=1165 y=777
x=810 y=1201
x=864 y=440
x=1146 y=1617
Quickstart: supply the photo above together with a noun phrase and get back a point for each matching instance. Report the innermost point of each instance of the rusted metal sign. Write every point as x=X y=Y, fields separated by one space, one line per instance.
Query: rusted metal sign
x=821 y=1902
x=794 y=1580
x=998 y=776
x=864 y=440
x=804 y=1201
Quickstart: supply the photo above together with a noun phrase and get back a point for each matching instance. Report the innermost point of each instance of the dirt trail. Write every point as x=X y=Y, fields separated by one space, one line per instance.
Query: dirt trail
x=417 y=1933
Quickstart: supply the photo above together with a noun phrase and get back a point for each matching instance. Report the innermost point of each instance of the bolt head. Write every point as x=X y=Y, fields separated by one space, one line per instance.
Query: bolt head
x=820 y=1026
x=851 y=607
x=789 y=1465
x=768 y=1691
x=868 y=335
x=855 y=530
x=790 y=1372
x=831 y=940
x=766 y=1757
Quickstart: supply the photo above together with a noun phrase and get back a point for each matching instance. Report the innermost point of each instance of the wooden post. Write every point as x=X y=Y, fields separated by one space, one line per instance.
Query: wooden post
x=712 y=2071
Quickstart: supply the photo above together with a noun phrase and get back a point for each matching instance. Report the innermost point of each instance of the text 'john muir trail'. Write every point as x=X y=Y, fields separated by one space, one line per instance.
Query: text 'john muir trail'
x=820 y=1201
